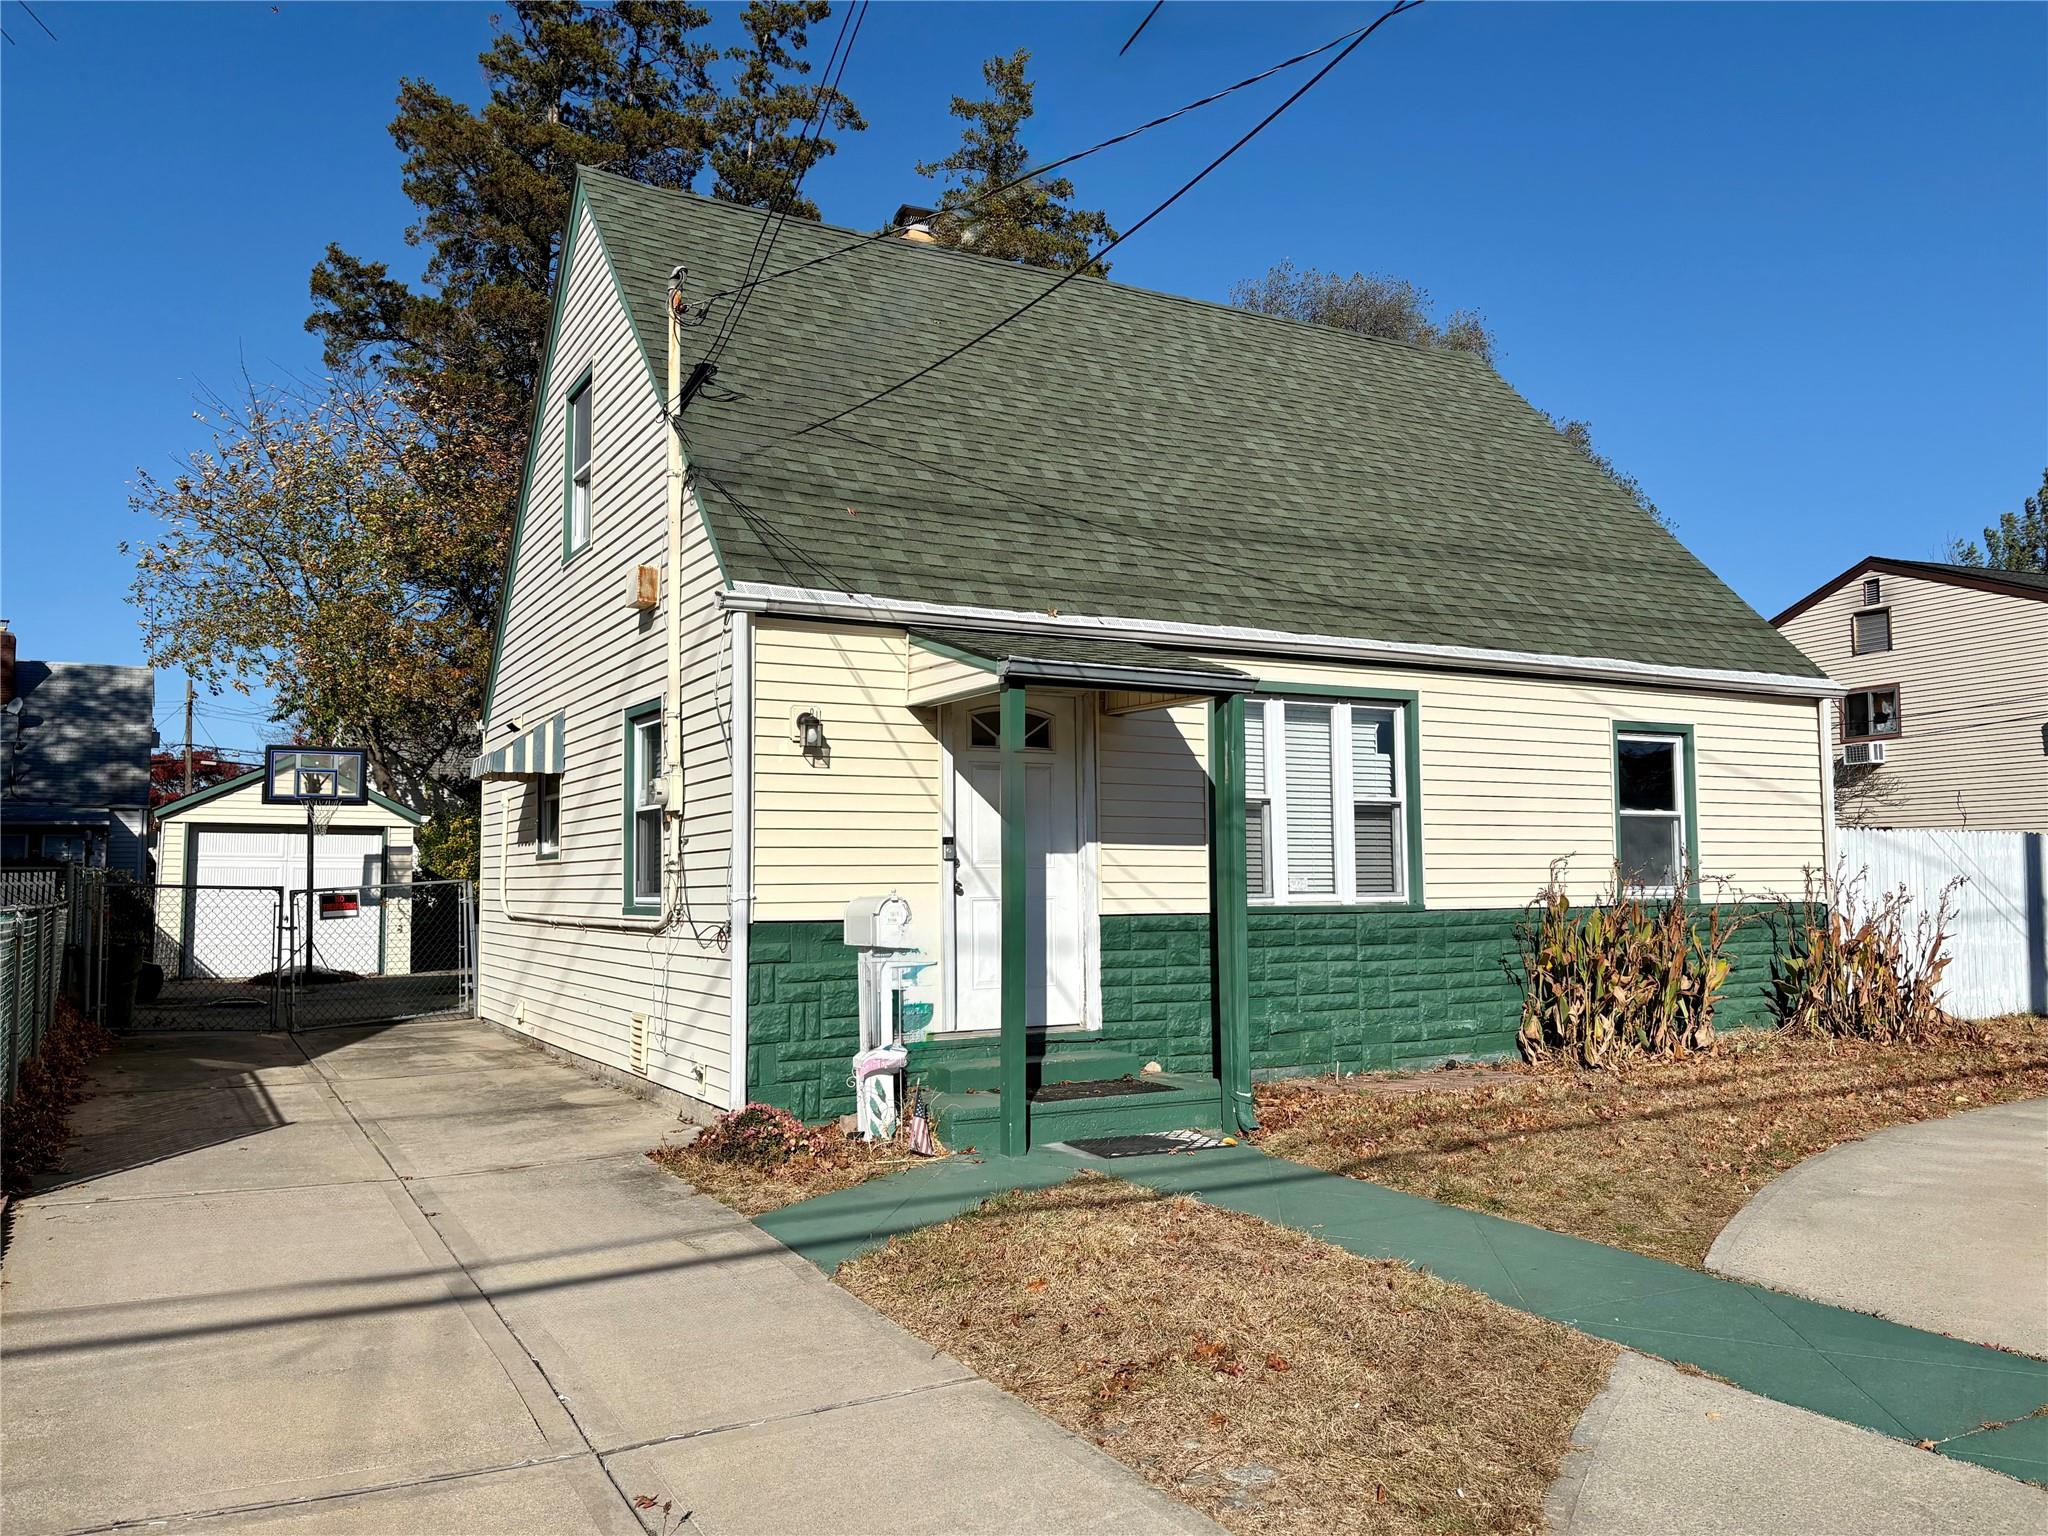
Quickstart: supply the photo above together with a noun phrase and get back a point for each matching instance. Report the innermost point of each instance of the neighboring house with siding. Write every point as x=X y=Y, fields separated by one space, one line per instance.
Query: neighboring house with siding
x=75 y=739
x=1945 y=718
x=1305 y=656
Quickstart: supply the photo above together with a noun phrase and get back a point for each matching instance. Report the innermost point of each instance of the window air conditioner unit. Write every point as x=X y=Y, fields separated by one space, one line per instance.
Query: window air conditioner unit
x=1864 y=754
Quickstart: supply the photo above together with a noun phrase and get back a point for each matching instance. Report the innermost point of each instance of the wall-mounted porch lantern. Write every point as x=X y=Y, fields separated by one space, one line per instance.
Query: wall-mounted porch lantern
x=810 y=735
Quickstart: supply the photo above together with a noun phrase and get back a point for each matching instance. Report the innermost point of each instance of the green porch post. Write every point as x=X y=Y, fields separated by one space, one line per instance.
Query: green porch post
x=1229 y=911
x=1013 y=1106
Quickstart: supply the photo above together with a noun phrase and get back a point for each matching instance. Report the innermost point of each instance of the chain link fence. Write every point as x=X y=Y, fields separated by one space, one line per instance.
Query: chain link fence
x=375 y=954
x=31 y=975
x=144 y=956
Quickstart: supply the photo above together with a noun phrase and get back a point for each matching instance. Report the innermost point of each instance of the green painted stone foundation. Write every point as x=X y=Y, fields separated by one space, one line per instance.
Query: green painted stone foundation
x=1331 y=990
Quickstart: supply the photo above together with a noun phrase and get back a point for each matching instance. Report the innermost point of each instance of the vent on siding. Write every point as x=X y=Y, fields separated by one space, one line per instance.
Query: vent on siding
x=1870 y=590
x=1871 y=632
x=639 y=1044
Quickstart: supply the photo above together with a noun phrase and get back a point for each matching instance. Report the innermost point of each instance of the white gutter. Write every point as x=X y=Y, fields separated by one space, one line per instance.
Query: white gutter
x=817 y=603
x=740 y=899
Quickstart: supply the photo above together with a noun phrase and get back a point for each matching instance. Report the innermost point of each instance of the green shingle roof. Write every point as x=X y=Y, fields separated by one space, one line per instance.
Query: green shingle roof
x=1135 y=455
x=1050 y=656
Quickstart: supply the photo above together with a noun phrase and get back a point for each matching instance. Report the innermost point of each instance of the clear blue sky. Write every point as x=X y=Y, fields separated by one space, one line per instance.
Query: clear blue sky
x=1791 y=261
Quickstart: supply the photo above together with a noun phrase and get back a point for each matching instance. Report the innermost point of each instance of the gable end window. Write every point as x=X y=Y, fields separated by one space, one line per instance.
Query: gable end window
x=1870 y=631
x=1652 y=810
x=1326 y=801
x=576 y=513
x=643 y=810
x=1871 y=714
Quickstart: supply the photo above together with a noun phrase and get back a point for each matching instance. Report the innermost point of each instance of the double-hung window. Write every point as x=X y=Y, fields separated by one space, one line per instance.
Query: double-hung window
x=643 y=809
x=576 y=517
x=1325 y=801
x=1870 y=631
x=1871 y=714
x=1651 y=834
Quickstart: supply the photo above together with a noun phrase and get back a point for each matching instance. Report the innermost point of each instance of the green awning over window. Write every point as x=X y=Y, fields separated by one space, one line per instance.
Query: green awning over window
x=532 y=753
x=1083 y=660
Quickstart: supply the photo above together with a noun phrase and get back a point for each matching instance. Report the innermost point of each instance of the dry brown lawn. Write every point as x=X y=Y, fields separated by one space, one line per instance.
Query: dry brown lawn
x=846 y=1160
x=1656 y=1158
x=1269 y=1379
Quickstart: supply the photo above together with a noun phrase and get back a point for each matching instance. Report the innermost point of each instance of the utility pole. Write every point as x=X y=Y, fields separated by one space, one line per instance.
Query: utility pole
x=188 y=733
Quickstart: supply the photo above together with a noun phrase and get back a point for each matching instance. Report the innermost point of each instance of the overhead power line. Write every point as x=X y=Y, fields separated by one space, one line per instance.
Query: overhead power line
x=775 y=218
x=1141 y=27
x=1065 y=160
x=1096 y=256
x=32 y=16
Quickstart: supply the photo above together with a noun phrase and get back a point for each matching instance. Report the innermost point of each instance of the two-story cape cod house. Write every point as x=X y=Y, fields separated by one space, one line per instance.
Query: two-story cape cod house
x=1215 y=690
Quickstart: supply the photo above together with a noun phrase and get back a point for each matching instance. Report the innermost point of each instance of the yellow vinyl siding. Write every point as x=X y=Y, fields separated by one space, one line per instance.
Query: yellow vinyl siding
x=1972 y=672
x=1519 y=771
x=864 y=819
x=571 y=643
x=1152 y=809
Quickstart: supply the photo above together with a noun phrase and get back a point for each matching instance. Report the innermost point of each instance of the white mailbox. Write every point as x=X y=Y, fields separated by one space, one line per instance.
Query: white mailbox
x=878 y=922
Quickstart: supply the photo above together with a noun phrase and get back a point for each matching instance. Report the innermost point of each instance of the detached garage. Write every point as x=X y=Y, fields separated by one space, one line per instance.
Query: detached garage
x=223 y=842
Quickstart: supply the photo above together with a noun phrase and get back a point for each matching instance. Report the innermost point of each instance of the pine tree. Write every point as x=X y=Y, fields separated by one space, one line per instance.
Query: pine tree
x=2018 y=541
x=1031 y=223
x=763 y=142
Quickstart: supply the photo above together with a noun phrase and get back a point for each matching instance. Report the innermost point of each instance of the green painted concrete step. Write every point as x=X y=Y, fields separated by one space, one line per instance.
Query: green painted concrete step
x=1189 y=1101
x=976 y=1069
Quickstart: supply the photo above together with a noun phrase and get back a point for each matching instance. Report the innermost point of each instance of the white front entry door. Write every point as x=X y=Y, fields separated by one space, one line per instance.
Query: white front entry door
x=1056 y=991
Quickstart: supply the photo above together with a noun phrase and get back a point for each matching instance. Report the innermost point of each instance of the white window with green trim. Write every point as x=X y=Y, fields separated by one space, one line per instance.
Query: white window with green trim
x=1652 y=839
x=1326 y=801
x=576 y=514
x=643 y=809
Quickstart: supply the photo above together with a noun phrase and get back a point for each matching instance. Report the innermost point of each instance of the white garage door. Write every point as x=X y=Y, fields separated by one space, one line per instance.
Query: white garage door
x=227 y=926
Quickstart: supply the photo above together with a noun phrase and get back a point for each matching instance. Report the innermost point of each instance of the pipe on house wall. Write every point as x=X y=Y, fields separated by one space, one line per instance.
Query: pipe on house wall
x=1824 y=713
x=740 y=898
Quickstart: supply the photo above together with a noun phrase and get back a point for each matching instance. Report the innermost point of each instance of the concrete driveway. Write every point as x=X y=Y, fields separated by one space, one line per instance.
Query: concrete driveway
x=421 y=1279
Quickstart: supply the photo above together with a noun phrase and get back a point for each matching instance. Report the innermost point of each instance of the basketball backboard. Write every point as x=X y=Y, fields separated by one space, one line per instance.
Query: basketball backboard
x=315 y=776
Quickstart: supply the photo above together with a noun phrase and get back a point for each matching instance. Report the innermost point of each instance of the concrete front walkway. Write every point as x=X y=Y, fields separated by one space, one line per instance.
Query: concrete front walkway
x=1970 y=1402
x=421 y=1279
x=1943 y=1225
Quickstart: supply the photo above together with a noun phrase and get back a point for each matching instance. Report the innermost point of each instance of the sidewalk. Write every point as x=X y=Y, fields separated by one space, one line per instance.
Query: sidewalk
x=423 y=1279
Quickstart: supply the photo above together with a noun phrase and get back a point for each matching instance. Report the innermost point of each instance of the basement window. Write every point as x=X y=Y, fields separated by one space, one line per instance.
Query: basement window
x=1871 y=714
x=1870 y=632
x=1326 y=797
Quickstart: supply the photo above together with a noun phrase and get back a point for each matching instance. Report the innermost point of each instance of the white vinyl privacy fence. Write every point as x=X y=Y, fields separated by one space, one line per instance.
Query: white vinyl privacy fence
x=1999 y=932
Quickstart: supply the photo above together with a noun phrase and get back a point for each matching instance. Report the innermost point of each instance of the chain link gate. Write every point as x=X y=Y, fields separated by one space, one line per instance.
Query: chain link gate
x=376 y=954
x=199 y=956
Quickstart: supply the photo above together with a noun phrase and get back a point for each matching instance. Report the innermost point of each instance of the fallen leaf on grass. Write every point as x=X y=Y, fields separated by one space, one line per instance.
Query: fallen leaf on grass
x=1277 y=1363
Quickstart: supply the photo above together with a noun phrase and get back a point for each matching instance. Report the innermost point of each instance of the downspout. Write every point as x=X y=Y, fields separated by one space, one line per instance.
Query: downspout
x=1824 y=712
x=672 y=610
x=740 y=900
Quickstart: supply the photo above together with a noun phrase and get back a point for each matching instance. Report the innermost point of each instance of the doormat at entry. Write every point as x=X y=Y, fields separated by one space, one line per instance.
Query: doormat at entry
x=1144 y=1146
x=1110 y=1088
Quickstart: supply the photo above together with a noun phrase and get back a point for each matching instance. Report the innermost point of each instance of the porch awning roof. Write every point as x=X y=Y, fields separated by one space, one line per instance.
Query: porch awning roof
x=1069 y=660
x=534 y=751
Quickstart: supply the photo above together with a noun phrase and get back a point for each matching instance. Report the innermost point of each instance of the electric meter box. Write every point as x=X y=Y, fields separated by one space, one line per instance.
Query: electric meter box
x=878 y=922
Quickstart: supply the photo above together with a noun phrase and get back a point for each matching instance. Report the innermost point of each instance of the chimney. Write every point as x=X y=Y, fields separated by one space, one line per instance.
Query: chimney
x=915 y=224
x=6 y=664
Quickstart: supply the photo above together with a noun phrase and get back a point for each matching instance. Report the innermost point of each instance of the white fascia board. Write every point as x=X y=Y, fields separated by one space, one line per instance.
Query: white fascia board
x=814 y=603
